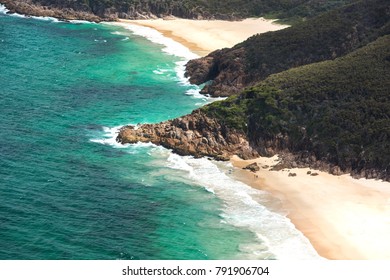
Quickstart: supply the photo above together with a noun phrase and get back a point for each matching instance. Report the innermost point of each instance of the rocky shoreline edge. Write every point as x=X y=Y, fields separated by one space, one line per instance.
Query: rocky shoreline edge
x=199 y=135
x=83 y=12
x=29 y=9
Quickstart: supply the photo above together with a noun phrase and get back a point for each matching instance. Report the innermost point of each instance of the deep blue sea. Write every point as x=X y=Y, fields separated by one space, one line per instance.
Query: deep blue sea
x=69 y=191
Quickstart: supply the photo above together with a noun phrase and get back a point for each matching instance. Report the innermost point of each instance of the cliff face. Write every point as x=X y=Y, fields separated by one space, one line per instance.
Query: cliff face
x=325 y=37
x=195 y=134
x=225 y=69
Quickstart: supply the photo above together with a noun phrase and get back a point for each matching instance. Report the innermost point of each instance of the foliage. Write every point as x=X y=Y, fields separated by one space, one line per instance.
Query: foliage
x=324 y=37
x=339 y=109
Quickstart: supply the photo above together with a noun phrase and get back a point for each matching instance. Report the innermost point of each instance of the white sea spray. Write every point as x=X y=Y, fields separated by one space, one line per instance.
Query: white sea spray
x=3 y=9
x=243 y=209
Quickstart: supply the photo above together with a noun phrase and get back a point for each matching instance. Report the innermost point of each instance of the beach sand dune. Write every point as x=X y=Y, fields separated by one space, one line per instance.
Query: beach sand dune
x=205 y=36
x=344 y=218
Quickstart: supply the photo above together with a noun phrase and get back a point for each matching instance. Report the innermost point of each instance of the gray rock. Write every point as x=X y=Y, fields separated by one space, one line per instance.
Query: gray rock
x=252 y=167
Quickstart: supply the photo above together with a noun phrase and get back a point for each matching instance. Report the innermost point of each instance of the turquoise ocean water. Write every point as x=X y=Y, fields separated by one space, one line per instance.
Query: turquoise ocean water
x=69 y=191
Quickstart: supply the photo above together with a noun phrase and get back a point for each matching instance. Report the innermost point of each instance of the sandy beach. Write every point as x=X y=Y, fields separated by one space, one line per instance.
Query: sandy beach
x=205 y=36
x=344 y=218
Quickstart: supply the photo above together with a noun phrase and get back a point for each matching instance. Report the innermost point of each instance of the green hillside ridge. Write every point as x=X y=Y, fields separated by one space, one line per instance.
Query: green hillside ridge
x=229 y=9
x=338 y=111
x=327 y=36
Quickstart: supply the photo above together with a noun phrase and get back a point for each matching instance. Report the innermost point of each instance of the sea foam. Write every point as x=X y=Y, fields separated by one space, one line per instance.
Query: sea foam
x=109 y=137
x=173 y=48
x=170 y=46
x=51 y=19
x=278 y=237
x=4 y=10
x=78 y=21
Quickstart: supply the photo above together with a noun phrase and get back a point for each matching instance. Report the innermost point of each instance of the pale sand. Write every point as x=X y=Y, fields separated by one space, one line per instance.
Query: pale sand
x=205 y=36
x=344 y=218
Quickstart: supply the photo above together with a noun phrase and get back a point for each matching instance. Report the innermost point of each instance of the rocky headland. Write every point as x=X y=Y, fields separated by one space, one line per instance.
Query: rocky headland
x=199 y=135
x=195 y=134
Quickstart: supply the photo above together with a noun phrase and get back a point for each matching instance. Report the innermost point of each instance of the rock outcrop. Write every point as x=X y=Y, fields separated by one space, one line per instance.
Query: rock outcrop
x=27 y=7
x=198 y=135
x=225 y=68
x=195 y=134
x=252 y=167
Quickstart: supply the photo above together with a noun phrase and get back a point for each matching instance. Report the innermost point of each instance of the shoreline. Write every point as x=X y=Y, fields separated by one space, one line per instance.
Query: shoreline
x=36 y=10
x=342 y=217
x=205 y=36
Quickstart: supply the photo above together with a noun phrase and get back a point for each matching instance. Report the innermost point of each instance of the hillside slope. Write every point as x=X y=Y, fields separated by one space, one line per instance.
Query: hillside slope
x=332 y=115
x=324 y=37
x=334 y=111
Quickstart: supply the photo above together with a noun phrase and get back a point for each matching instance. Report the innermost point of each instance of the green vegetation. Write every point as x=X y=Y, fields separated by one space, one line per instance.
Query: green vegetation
x=293 y=9
x=324 y=37
x=339 y=110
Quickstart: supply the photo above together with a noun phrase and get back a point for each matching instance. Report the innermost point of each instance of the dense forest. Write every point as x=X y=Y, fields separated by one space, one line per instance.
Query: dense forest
x=292 y=10
x=327 y=36
x=336 y=111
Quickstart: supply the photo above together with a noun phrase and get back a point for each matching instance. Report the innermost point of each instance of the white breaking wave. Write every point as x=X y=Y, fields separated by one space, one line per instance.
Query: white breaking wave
x=242 y=209
x=81 y=21
x=170 y=46
x=161 y=71
x=51 y=19
x=109 y=137
x=123 y=35
x=3 y=9
x=174 y=48
x=194 y=91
